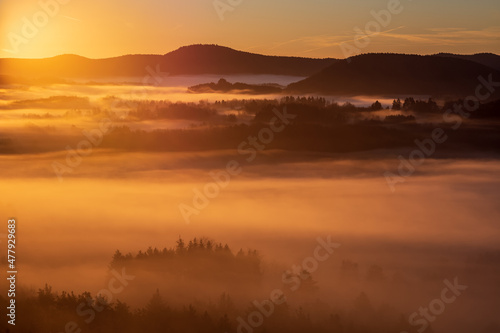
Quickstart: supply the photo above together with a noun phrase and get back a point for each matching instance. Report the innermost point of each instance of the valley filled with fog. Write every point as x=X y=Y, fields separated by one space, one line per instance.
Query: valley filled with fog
x=105 y=167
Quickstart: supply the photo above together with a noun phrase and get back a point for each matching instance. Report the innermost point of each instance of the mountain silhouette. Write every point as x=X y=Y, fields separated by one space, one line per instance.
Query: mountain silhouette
x=187 y=60
x=487 y=59
x=396 y=74
x=371 y=74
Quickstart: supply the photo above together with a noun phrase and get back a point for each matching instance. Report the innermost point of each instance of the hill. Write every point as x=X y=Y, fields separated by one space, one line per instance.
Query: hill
x=487 y=59
x=187 y=60
x=379 y=74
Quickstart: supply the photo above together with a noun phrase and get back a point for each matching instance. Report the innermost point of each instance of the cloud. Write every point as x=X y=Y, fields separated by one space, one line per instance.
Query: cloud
x=452 y=36
x=432 y=38
x=71 y=18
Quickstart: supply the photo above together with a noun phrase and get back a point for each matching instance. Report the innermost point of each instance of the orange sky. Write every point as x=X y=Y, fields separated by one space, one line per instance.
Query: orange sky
x=314 y=28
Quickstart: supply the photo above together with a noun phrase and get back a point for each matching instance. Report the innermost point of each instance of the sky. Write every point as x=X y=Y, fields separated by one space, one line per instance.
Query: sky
x=306 y=28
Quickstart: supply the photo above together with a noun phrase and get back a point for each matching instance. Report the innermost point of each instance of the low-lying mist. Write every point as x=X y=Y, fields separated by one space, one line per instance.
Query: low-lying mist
x=441 y=223
x=163 y=174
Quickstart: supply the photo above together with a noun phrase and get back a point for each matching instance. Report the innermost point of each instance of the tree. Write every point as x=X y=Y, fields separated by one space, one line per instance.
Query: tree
x=223 y=84
x=409 y=103
x=376 y=106
x=180 y=246
x=433 y=107
x=117 y=257
x=156 y=304
x=396 y=104
x=45 y=295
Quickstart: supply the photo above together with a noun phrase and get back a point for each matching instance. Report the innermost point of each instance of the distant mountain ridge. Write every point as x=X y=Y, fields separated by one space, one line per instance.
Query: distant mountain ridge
x=368 y=74
x=487 y=59
x=187 y=60
x=378 y=74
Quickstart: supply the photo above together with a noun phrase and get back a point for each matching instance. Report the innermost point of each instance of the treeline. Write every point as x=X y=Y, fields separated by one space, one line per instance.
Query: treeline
x=193 y=247
x=47 y=311
x=309 y=109
x=223 y=86
x=295 y=137
x=317 y=125
x=311 y=134
x=146 y=110
x=201 y=246
x=418 y=106
x=53 y=102
x=200 y=259
x=360 y=310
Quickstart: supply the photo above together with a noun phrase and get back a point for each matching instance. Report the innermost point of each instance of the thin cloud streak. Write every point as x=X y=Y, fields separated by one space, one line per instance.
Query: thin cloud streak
x=434 y=37
x=72 y=18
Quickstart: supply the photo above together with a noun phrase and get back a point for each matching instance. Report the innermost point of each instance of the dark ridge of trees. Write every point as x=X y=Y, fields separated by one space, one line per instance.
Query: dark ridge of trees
x=47 y=311
x=223 y=86
x=320 y=125
x=199 y=259
x=420 y=106
x=197 y=247
x=487 y=111
x=253 y=106
x=154 y=110
x=308 y=132
x=395 y=119
x=53 y=102
x=295 y=137
x=306 y=100
x=44 y=310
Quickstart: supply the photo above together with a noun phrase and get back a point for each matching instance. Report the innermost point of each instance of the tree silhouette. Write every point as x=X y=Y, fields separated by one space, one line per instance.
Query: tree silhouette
x=396 y=104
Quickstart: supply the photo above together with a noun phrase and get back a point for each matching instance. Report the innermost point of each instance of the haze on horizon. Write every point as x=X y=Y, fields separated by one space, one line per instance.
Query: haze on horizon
x=294 y=28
